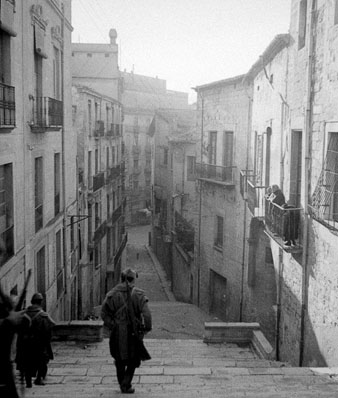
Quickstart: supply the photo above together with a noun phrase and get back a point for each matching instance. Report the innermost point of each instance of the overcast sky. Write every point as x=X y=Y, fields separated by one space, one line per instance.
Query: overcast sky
x=186 y=42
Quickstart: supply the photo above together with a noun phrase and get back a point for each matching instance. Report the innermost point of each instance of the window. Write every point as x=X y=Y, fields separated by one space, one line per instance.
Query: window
x=113 y=155
x=58 y=257
x=219 y=232
x=96 y=112
x=228 y=148
x=41 y=271
x=258 y=159
x=108 y=206
x=191 y=161
x=89 y=169
x=336 y=12
x=90 y=220
x=6 y=212
x=56 y=74
x=38 y=182
x=97 y=215
x=107 y=158
x=90 y=117
x=96 y=161
x=107 y=117
x=296 y=169
x=302 y=24
x=212 y=147
x=165 y=156
x=135 y=184
x=5 y=76
x=57 y=184
x=135 y=163
x=97 y=255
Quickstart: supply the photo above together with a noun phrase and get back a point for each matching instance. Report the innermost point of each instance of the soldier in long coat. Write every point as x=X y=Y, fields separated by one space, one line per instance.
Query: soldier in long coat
x=34 y=348
x=126 y=314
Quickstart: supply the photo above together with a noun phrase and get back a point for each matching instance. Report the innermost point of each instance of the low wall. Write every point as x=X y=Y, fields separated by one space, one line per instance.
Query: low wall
x=89 y=331
x=239 y=332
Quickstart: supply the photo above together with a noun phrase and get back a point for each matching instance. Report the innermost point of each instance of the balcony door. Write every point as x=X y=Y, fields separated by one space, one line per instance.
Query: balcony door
x=212 y=152
x=296 y=168
x=228 y=147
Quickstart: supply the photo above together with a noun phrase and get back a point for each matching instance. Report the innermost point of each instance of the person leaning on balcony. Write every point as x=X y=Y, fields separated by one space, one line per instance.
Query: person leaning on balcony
x=276 y=198
x=10 y=323
x=126 y=314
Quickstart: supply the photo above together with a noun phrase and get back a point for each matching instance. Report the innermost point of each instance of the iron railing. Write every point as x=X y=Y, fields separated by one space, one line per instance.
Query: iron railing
x=47 y=112
x=7 y=105
x=98 y=181
x=284 y=222
x=214 y=172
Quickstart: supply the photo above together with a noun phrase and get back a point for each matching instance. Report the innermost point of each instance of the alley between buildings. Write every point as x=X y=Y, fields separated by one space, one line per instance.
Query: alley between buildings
x=171 y=319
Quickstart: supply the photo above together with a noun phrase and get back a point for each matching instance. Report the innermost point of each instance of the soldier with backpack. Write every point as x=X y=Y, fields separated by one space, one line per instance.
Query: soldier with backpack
x=34 y=348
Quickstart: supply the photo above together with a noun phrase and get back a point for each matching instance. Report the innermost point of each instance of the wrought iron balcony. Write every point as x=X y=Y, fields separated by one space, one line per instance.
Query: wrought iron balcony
x=215 y=173
x=47 y=114
x=98 y=181
x=99 y=128
x=113 y=173
x=284 y=225
x=7 y=106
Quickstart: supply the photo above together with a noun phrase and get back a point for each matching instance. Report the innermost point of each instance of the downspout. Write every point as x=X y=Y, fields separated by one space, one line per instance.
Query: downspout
x=307 y=181
x=63 y=166
x=200 y=209
x=248 y=141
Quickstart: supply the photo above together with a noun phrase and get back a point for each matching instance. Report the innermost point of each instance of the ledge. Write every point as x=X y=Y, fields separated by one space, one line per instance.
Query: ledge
x=239 y=332
x=78 y=331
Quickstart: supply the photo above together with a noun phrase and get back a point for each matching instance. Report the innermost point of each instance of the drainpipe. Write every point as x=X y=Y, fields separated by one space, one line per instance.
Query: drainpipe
x=200 y=209
x=307 y=181
x=248 y=140
x=63 y=165
x=279 y=302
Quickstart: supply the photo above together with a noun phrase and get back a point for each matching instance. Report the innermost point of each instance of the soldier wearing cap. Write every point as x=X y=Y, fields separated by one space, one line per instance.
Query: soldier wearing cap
x=123 y=303
x=34 y=348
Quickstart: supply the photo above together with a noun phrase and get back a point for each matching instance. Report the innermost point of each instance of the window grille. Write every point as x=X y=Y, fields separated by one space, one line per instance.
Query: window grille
x=324 y=201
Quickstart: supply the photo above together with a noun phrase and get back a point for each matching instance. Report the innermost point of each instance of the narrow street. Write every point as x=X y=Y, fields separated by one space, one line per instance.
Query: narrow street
x=171 y=319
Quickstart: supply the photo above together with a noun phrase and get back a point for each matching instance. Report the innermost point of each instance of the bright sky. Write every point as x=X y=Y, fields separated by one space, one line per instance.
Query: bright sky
x=186 y=42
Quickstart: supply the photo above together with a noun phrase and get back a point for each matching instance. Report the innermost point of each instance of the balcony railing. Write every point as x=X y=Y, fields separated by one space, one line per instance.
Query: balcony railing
x=47 y=113
x=99 y=128
x=98 y=181
x=213 y=172
x=7 y=105
x=113 y=173
x=284 y=224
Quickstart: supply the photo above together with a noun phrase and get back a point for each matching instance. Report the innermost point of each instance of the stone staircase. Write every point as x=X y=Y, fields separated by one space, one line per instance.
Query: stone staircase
x=182 y=369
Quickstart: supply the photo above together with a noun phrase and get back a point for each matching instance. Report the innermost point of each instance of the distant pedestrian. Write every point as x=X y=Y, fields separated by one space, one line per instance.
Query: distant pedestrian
x=126 y=314
x=34 y=348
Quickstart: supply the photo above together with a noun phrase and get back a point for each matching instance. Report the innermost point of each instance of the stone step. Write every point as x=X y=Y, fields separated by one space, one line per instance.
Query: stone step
x=181 y=368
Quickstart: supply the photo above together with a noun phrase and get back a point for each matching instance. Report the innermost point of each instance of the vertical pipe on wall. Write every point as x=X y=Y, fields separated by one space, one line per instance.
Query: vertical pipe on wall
x=307 y=170
x=63 y=171
x=248 y=140
x=200 y=205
